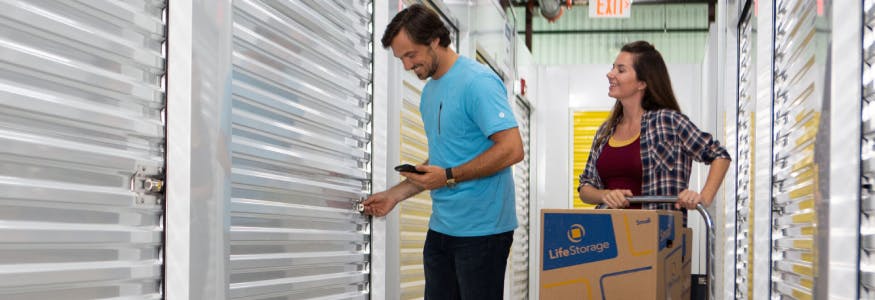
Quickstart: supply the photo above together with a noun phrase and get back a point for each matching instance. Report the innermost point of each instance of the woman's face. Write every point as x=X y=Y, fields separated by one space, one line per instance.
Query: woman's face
x=624 y=83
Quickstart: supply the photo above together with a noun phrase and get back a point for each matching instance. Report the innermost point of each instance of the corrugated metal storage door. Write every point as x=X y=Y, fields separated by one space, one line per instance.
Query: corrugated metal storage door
x=746 y=129
x=796 y=113
x=81 y=96
x=415 y=211
x=300 y=149
x=586 y=123
x=519 y=255
x=867 y=205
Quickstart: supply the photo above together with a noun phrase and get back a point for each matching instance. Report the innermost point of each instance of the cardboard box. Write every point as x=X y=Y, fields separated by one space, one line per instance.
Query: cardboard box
x=680 y=275
x=614 y=254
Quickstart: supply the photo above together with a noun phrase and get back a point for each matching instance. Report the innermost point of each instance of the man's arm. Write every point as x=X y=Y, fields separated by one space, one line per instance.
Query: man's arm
x=506 y=151
x=380 y=204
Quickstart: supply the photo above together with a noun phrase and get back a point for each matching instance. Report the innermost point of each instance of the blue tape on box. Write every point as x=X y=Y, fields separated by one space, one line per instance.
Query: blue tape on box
x=666 y=230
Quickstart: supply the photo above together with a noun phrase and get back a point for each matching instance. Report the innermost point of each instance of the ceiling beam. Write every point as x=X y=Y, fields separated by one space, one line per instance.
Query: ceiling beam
x=630 y=30
x=521 y=3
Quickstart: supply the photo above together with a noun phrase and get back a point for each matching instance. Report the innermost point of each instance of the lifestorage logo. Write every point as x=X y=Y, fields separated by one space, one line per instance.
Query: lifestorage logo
x=573 y=239
x=575 y=234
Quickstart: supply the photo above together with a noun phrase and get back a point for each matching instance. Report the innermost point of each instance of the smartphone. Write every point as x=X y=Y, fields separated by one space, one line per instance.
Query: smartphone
x=407 y=168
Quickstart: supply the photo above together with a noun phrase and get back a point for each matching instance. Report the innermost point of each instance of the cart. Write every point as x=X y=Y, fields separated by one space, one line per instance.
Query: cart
x=709 y=236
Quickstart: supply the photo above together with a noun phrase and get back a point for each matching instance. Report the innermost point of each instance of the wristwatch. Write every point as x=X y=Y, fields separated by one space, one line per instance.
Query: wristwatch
x=451 y=182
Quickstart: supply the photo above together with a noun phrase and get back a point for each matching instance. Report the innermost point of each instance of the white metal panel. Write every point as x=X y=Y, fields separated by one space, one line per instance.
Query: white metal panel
x=81 y=95
x=843 y=251
x=384 y=237
x=198 y=155
x=300 y=149
x=763 y=153
x=519 y=254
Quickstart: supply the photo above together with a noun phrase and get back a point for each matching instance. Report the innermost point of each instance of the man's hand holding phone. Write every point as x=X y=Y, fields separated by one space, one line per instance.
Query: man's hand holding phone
x=428 y=177
x=408 y=168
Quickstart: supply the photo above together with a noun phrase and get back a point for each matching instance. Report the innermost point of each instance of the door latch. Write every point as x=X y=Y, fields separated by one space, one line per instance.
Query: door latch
x=152 y=185
x=148 y=185
x=358 y=206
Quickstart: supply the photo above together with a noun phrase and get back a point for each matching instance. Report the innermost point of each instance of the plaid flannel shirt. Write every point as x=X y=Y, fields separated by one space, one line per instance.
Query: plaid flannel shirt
x=669 y=144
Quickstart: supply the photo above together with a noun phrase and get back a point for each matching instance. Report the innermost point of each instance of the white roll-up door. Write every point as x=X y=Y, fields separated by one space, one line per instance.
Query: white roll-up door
x=867 y=180
x=82 y=133
x=519 y=254
x=301 y=127
x=746 y=129
x=797 y=102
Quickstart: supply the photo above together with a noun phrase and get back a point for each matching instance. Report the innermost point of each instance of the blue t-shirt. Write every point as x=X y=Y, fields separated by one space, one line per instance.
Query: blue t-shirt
x=460 y=111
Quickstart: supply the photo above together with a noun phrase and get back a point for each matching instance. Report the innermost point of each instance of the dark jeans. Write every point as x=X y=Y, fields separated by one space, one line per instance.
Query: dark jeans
x=468 y=268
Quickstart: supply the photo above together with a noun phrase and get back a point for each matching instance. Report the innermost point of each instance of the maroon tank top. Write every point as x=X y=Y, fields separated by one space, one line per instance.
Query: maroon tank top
x=620 y=168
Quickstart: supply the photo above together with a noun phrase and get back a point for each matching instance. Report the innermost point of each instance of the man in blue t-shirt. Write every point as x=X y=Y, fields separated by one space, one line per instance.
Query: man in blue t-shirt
x=473 y=140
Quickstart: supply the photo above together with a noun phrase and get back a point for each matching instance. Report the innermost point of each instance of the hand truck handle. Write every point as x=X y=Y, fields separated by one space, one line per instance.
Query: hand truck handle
x=709 y=235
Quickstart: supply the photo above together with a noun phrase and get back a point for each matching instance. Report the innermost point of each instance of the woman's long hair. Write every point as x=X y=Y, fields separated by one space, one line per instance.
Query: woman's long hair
x=650 y=68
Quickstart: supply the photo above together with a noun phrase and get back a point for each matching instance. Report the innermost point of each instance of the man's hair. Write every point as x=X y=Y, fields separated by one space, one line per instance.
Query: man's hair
x=422 y=25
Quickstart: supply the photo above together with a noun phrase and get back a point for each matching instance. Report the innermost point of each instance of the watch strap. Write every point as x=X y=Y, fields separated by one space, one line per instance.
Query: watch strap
x=451 y=181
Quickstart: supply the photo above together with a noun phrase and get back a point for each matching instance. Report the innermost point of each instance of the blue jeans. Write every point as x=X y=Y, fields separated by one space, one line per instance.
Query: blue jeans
x=468 y=268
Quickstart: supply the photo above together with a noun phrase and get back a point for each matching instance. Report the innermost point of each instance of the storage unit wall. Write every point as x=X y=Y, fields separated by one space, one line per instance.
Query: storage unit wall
x=82 y=98
x=795 y=191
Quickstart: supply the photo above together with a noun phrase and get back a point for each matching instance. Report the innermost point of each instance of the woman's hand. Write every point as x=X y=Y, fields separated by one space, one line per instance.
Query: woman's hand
x=689 y=199
x=616 y=198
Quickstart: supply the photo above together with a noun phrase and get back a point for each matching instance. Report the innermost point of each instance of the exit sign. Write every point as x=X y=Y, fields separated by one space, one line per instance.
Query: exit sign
x=610 y=8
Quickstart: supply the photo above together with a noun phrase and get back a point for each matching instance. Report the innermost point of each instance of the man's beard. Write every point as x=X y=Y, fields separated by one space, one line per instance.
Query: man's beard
x=430 y=68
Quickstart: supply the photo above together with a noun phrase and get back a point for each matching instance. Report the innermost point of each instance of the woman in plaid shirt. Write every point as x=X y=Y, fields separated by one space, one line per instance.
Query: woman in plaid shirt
x=647 y=146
